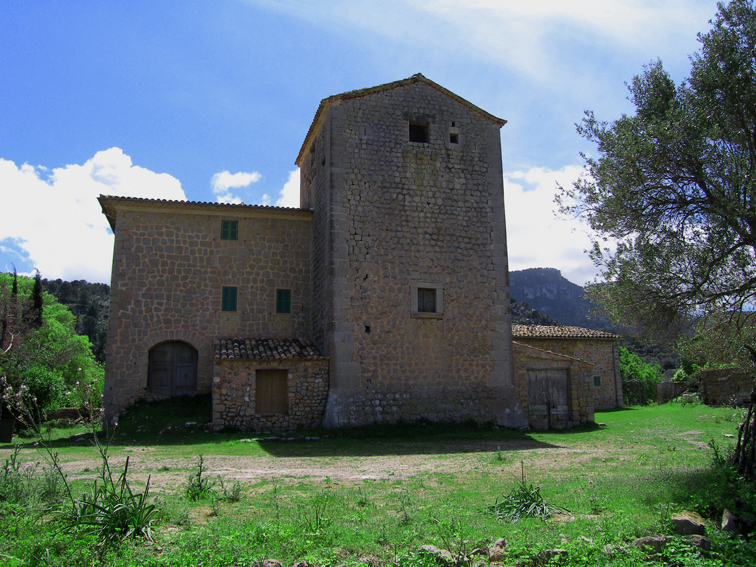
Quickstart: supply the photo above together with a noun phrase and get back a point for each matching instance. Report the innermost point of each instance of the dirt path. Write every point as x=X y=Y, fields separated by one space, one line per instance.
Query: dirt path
x=389 y=461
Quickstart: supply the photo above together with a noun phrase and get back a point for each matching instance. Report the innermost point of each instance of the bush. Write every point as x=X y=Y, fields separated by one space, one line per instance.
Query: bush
x=639 y=379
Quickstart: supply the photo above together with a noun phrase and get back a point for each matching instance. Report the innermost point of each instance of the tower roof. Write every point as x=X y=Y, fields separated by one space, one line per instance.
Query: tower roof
x=417 y=78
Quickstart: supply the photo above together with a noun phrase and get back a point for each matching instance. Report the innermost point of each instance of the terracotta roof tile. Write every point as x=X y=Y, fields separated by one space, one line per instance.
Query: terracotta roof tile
x=552 y=332
x=265 y=349
x=184 y=202
x=108 y=204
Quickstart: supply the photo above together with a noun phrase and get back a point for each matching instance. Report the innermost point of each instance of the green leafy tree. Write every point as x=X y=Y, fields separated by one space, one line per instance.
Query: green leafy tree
x=44 y=361
x=639 y=379
x=674 y=186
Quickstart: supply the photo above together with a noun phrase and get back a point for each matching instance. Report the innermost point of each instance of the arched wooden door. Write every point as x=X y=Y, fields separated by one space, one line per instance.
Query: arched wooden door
x=172 y=370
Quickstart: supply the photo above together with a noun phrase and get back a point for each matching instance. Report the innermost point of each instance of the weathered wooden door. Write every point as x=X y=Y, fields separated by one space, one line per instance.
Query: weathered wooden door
x=271 y=392
x=173 y=370
x=548 y=401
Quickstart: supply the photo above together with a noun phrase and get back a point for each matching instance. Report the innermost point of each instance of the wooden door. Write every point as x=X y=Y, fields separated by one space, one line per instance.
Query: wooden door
x=548 y=401
x=271 y=392
x=173 y=370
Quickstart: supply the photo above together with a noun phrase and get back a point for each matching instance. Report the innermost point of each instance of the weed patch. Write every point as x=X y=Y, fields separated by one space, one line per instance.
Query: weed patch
x=524 y=501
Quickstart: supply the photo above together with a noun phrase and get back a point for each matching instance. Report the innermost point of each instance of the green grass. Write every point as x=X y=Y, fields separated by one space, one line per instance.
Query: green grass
x=428 y=484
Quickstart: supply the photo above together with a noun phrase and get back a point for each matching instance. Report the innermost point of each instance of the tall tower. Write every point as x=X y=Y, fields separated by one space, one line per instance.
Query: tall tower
x=410 y=288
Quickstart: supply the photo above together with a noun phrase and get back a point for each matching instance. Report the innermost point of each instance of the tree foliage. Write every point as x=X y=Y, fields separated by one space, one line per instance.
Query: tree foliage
x=639 y=379
x=674 y=185
x=41 y=353
x=89 y=302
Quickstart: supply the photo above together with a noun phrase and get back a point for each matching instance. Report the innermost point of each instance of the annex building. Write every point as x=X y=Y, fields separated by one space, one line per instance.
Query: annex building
x=384 y=297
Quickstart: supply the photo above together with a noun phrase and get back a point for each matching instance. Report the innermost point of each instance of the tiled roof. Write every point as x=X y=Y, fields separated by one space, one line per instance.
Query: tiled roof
x=107 y=203
x=266 y=349
x=551 y=332
x=203 y=203
x=388 y=86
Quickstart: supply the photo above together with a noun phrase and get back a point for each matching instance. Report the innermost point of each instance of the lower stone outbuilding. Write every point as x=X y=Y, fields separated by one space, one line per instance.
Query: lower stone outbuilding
x=598 y=348
x=268 y=385
x=555 y=390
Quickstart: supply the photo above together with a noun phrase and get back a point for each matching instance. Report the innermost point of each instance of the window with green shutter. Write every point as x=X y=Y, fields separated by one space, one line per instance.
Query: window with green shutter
x=597 y=381
x=228 y=299
x=229 y=230
x=283 y=301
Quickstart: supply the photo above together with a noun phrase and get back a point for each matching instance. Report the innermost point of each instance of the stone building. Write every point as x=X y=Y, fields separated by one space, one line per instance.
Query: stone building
x=603 y=383
x=384 y=297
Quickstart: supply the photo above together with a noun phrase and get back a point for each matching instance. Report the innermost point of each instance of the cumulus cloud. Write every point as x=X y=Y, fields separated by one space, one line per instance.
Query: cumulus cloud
x=289 y=196
x=54 y=222
x=223 y=182
x=535 y=236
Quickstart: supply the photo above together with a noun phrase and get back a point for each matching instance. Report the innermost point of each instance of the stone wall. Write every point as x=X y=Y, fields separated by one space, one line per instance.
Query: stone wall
x=169 y=266
x=726 y=386
x=234 y=395
x=580 y=379
x=668 y=391
x=404 y=213
x=603 y=354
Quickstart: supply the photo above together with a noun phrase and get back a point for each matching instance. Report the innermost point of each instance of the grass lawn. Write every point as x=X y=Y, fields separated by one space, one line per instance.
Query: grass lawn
x=377 y=495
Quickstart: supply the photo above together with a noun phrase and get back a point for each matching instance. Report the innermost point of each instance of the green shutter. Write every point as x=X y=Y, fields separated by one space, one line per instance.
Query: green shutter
x=597 y=381
x=228 y=299
x=229 y=230
x=283 y=301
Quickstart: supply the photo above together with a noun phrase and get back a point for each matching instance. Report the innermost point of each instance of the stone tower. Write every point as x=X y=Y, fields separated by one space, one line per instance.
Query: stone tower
x=410 y=291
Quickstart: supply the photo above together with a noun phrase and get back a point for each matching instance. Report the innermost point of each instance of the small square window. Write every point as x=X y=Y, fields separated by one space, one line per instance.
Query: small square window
x=283 y=301
x=419 y=133
x=454 y=138
x=596 y=381
x=229 y=230
x=426 y=300
x=228 y=299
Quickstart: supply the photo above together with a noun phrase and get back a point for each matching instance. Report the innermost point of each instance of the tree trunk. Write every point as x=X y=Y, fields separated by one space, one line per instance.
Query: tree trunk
x=745 y=450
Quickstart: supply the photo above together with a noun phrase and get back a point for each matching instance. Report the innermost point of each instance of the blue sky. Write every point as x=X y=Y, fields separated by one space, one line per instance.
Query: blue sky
x=210 y=101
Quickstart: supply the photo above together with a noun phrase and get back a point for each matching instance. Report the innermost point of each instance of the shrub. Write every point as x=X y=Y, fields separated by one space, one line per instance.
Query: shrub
x=639 y=379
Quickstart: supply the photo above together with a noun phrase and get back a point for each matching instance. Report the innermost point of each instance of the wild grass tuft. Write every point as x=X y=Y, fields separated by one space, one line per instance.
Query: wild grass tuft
x=199 y=486
x=523 y=501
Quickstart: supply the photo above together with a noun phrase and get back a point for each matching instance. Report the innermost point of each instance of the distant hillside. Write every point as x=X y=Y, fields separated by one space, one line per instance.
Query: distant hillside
x=524 y=314
x=548 y=292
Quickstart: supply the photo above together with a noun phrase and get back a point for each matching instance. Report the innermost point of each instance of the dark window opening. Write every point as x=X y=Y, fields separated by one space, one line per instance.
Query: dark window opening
x=271 y=392
x=426 y=300
x=229 y=230
x=419 y=133
x=228 y=299
x=597 y=381
x=454 y=138
x=283 y=301
x=367 y=329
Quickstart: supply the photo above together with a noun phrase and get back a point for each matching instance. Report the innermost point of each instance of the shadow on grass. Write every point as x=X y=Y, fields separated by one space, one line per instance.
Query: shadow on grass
x=183 y=422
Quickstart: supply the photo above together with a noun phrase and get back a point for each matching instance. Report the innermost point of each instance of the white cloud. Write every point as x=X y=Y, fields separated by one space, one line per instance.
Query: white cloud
x=536 y=38
x=224 y=181
x=56 y=220
x=289 y=196
x=535 y=236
